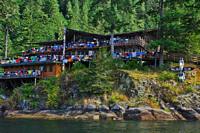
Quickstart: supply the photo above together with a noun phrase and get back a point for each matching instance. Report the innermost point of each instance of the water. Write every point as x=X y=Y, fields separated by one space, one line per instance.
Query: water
x=44 y=126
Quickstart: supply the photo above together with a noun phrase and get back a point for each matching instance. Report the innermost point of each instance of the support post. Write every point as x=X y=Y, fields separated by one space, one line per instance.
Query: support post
x=97 y=42
x=74 y=39
x=89 y=64
x=112 y=44
x=35 y=81
x=155 y=62
x=160 y=31
x=64 y=45
x=6 y=43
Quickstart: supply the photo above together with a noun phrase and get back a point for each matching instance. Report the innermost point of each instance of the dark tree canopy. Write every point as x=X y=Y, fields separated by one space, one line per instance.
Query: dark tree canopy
x=25 y=21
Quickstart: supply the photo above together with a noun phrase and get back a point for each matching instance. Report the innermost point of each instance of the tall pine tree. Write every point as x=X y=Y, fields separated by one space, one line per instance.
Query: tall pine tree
x=8 y=21
x=33 y=24
x=85 y=15
x=74 y=16
x=56 y=20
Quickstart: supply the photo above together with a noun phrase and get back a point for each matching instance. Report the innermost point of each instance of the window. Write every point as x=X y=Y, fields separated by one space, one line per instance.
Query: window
x=51 y=68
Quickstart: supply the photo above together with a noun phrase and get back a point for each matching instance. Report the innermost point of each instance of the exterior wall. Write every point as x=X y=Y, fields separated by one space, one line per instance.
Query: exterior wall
x=49 y=70
x=58 y=70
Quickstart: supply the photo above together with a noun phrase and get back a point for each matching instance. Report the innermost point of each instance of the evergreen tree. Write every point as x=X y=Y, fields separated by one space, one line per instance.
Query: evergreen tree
x=8 y=20
x=74 y=14
x=56 y=21
x=63 y=6
x=1 y=44
x=179 y=27
x=129 y=18
x=40 y=19
x=98 y=16
x=33 y=24
x=85 y=15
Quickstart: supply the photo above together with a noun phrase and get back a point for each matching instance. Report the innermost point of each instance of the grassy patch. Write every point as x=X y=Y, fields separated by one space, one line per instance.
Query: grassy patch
x=152 y=103
x=141 y=74
x=166 y=75
x=117 y=97
x=144 y=101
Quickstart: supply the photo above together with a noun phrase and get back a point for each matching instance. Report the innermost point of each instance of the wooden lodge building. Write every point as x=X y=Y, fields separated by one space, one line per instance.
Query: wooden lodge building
x=50 y=57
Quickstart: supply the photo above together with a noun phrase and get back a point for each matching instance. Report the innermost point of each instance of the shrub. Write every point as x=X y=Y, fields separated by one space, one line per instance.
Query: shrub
x=171 y=88
x=117 y=97
x=189 y=89
x=97 y=80
x=2 y=91
x=152 y=103
x=170 y=92
x=26 y=91
x=165 y=75
x=51 y=90
x=78 y=66
x=52 y=97
x=119 y=64
x=47 y=90
x=132 y=65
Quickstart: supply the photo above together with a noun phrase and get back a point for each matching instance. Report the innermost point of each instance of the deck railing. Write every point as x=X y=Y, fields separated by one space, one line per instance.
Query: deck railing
x=18 y=76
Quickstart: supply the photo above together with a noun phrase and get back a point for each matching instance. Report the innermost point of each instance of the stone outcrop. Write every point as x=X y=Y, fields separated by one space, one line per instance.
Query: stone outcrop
x=147 y=114
x=189 y=113
x=78 y=113
x=104 y=108
x=143 y=94
x=190 y=100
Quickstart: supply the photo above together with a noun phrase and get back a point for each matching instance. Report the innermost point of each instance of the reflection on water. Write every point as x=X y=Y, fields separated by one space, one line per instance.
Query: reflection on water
x=43 y=126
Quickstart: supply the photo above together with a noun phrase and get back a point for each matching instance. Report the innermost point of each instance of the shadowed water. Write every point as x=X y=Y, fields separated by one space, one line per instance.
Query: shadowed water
x=44 y=126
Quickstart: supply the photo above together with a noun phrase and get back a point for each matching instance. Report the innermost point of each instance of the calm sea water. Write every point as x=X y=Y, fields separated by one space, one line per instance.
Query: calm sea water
x=44 y=126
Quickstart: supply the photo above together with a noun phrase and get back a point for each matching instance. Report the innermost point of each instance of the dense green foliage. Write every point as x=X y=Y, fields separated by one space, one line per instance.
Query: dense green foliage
x=97 y=79
x=165 y=75
x=44 y=95
x=37 y=20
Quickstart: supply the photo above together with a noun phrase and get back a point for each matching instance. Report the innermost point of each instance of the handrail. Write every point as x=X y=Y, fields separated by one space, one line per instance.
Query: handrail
x=19 y=77
x=28 y=63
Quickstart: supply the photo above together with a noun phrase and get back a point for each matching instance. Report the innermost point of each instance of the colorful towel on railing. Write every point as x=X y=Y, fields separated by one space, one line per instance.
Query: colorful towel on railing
x=140 y=53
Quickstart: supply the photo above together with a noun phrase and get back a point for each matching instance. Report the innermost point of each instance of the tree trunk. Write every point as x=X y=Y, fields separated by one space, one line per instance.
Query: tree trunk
x=6 y=42
x=161 y=60
x=160 y=28
x=145 y=15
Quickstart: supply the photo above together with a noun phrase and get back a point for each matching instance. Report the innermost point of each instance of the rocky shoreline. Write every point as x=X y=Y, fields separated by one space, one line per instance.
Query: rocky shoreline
x=137 y=96
x=90 y=112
